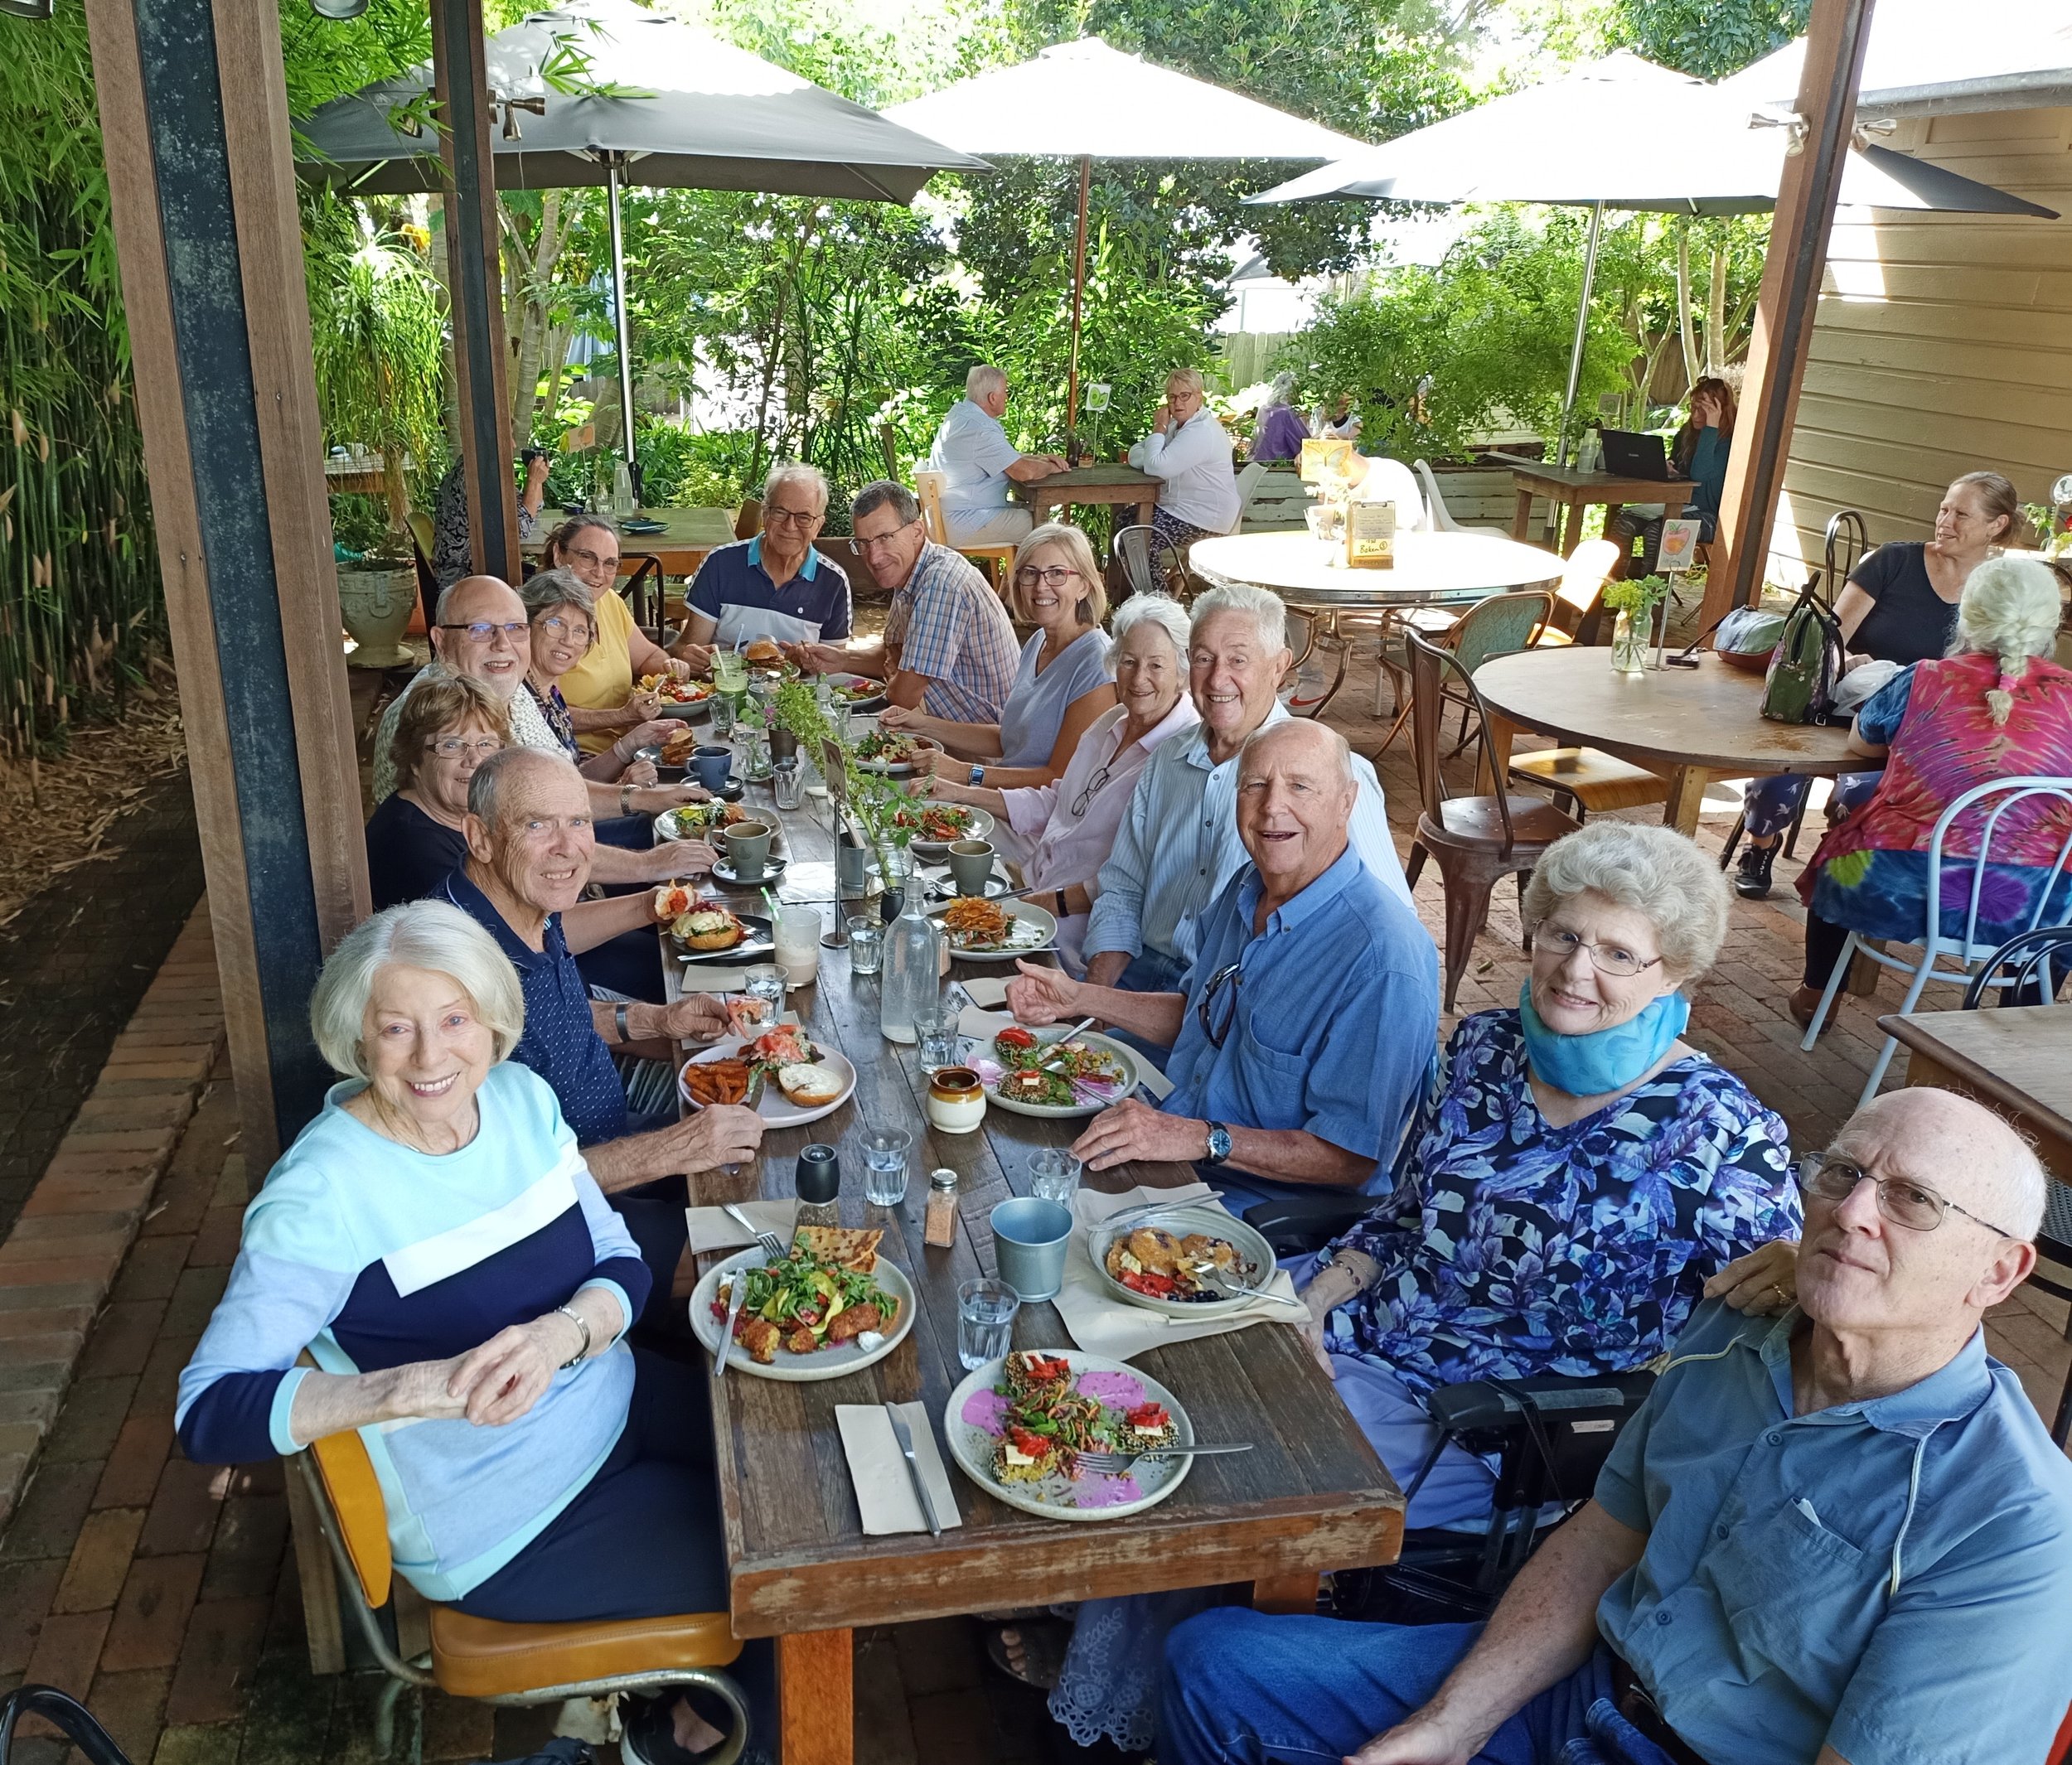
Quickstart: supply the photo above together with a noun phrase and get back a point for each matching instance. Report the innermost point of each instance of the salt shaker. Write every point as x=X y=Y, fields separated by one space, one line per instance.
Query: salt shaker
x=940 y=1227
x=818 y=1183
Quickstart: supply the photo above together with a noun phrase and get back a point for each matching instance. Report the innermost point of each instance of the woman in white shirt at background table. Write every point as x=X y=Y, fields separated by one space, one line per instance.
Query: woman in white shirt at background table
x=1061 y=833
x=1190 y=451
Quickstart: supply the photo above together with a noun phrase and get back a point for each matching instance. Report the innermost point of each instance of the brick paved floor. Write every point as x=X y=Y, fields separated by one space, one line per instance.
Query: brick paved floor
x=164 y=1594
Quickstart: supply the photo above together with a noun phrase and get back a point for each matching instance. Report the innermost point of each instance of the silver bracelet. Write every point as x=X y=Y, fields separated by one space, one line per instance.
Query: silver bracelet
x=582 y=1323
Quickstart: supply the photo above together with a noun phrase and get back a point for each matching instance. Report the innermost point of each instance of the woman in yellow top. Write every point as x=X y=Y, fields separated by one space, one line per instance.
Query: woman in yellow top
x=599 y=688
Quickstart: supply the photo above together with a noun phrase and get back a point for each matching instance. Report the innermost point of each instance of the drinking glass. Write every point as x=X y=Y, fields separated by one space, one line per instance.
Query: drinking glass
x=788 y=781
x=885 y=1166
x=866 y=944
x=985 y=1322
x=723 y=709
x=1054 y=1175
x=940 y=1047
x=764 y=983
x=797 y=932
x=729 y=670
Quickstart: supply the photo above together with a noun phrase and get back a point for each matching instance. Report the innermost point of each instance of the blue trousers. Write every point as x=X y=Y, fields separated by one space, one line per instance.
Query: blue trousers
x=1771 y=803
x=1244 y=1688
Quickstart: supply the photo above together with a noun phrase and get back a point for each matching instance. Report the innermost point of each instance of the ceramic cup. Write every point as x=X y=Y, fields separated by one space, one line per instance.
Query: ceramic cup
x=710 y=764
x=747 y=849
x=1030 y=1237
x=971 y=863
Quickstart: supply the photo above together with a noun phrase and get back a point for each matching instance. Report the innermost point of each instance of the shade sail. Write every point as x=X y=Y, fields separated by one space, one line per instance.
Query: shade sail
x=1631 y=135
x=1084 y=100
x=712 y=117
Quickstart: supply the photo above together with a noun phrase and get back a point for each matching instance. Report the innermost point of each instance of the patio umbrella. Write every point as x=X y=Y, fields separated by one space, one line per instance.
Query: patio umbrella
x=606 y=92
x=1086 y=101
x=1623 y=134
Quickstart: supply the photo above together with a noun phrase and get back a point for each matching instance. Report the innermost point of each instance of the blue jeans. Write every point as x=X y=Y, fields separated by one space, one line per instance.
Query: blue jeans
x=1244 y=1688
x=1149 y=971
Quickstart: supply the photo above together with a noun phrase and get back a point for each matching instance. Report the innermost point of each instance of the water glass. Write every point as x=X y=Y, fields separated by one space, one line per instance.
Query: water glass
x=788 y=781
x=941 y=1046
x=885 y=1166
x=866 y=944
x=985 y=1322
x=722 y=710
x=764 y=983
x=1054 y=1175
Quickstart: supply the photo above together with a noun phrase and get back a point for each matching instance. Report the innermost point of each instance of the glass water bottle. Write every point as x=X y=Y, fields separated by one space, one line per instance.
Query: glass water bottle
x=912 y=964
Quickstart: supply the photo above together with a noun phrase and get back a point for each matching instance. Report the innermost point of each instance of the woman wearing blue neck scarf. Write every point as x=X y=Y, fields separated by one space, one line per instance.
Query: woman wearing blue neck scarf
x=1576 y=1175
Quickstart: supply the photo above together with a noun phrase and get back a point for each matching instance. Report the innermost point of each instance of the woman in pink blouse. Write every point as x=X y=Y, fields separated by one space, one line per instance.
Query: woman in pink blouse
x=1061 y=834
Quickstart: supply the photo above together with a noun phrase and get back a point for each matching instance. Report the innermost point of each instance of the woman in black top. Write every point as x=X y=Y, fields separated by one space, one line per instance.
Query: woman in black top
x=1899 y=604
x=445 y=729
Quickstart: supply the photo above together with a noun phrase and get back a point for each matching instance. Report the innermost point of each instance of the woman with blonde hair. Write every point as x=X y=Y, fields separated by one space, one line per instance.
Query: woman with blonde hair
x=1061 y=685
x=447 y=728
x=1995 y=707
x=1189 y=452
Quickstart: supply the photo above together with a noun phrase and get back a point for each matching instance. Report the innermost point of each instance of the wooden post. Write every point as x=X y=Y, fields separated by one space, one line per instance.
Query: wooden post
x=475 y=282
x=1078 y=299
x=194 y=116
x=1836 y=35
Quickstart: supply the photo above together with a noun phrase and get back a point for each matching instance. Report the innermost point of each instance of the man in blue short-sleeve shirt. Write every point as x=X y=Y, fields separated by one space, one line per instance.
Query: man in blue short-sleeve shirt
x=1306 y=1026
x=776 y=585
x=1838 y=1537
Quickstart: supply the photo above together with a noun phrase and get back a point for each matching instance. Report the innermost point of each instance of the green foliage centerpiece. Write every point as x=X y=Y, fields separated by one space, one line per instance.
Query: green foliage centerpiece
x=1634 y=602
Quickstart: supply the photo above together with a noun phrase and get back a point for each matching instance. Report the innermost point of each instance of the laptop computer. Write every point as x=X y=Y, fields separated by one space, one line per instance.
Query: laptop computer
x=1629 y=453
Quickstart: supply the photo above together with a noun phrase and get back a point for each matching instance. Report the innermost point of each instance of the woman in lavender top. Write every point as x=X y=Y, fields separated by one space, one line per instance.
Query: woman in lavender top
x=1281 y=432
x=1060 y=687
x=1061 y=834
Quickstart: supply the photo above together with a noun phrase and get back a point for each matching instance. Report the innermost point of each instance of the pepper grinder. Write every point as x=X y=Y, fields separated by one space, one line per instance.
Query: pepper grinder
x=818 y=1183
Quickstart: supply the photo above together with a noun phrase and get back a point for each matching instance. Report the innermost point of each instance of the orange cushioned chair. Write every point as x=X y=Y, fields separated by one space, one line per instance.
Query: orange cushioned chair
x=520 y=1664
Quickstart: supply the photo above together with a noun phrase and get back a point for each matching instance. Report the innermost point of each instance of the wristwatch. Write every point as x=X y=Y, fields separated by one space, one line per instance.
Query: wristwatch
x=619 y=1022
x=1218 y=1144
x=626 y=799
x=978 y=775
x=1059 y=898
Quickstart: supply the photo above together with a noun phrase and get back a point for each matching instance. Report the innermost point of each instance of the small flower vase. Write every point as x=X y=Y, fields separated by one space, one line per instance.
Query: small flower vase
x=1629 y=644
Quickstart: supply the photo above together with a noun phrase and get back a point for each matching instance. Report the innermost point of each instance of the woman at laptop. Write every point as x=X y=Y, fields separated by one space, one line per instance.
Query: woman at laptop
x=1699 y=453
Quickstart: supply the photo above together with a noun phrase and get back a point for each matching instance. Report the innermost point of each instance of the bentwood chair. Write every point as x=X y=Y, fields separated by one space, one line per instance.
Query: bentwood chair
x=1473 y=840
x=516 y=1664
x=1956 y=883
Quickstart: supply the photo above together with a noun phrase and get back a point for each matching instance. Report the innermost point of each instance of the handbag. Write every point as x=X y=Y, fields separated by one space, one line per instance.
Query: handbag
x=1806 y=663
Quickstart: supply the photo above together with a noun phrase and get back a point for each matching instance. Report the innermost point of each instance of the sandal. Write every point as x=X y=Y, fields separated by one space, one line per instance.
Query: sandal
x=1042 y=1644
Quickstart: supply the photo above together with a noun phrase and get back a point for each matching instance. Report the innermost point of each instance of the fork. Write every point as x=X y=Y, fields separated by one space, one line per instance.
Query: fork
x=765 y=1242
x=1112 y=1464
x=1228 y=1287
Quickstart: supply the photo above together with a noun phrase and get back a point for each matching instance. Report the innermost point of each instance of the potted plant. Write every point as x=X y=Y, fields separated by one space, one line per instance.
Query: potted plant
x=1634 y=600
x=377 y=581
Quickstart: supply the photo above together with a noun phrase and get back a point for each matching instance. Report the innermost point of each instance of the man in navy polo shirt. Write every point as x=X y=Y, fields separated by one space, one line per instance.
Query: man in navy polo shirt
x=775 y=585
x=529 y=846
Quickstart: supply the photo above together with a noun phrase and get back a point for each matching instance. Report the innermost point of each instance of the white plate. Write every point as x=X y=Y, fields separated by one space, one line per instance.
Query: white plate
x=671 y=825
x=825 y=1363
x=971 y=1446
x=1255 y=1255
x=1065 y=1111
x=871 y=702
x=900 y=769
x=938 y=851
x=1041 y=935
x=777 y=1108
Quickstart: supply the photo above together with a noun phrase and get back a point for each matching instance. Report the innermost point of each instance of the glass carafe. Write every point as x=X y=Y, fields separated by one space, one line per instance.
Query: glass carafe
x=912 y=961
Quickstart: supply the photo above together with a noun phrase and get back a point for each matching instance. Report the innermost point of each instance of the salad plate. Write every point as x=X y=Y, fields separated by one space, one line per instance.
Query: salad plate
x=831 y=1361
x=1041 y=1073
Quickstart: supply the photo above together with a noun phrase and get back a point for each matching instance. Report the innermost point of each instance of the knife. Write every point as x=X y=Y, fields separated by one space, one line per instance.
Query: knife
x=904 y=1435
x=733 y=1314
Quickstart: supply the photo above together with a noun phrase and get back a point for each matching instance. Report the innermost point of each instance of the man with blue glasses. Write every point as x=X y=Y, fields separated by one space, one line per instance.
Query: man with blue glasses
x=1838 y=1537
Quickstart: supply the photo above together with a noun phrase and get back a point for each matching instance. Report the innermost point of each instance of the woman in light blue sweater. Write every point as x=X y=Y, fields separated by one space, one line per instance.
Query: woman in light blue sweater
x=436 y=1243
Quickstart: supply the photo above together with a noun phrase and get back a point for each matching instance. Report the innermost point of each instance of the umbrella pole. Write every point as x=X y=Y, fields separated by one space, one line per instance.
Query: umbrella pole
x=1582 y=332
x=620 y=324
x=1078 y=294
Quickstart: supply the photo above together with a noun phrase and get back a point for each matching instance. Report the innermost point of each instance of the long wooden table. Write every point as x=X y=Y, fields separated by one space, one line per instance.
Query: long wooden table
x=687 y=536
x=2016 y=1059
x=1572 y=491
x=1312 y=1496
x=1690 y=724
x=1123 y=486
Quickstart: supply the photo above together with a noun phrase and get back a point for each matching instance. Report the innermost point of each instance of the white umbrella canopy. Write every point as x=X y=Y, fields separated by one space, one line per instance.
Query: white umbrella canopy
x=1623 y=134
x=1083 y=100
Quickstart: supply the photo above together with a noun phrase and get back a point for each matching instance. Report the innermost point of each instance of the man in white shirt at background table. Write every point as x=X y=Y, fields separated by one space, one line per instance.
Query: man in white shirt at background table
x=978 y=463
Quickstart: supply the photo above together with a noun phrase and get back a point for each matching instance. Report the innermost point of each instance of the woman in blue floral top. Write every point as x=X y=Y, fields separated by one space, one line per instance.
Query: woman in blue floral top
x=1575 y=1176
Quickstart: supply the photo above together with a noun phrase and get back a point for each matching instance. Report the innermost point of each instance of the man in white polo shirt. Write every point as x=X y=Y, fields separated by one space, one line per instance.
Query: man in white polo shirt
x=978 y=462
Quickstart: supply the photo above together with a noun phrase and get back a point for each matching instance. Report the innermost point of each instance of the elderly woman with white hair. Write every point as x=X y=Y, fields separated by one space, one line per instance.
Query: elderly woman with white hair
x=1061 y=683
x=436 y=1243
x=1062 y=832
x=1995 y=707
x=1280 y=431
x=1189 y=451
x=777 y=585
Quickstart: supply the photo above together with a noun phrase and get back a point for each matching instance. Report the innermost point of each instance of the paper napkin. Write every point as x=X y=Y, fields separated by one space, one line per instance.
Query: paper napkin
x=884 y=1487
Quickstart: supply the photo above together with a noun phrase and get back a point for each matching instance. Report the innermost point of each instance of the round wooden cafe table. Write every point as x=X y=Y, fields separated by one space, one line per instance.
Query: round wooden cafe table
x=1689 y=724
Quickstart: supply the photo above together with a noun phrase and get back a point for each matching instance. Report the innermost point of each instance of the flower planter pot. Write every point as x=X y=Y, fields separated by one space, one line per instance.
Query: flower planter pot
x=376 y=606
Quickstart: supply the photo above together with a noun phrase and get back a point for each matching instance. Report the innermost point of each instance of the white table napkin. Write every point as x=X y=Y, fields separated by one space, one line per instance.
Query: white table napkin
x=713 y=1228
x=1102 y=1324
x=982 y=1026
x=884 y=1486
x=700 y=979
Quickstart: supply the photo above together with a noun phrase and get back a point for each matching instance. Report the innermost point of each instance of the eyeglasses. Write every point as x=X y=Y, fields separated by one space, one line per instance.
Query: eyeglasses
x=1056 y=576
x=1901 y=1199
x=1215 y=1028
x=482 y=632
x=1095 y=786
x=1607 y=958
x=456 y=747
x=596 y=558
x=795 y=517
x=580 y=633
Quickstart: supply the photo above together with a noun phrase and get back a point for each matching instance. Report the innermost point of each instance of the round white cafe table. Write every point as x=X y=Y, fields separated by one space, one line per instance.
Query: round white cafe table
x=1429 y=567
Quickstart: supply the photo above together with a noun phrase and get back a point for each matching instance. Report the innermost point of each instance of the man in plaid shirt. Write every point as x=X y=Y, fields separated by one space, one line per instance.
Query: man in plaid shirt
x=949 y=646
